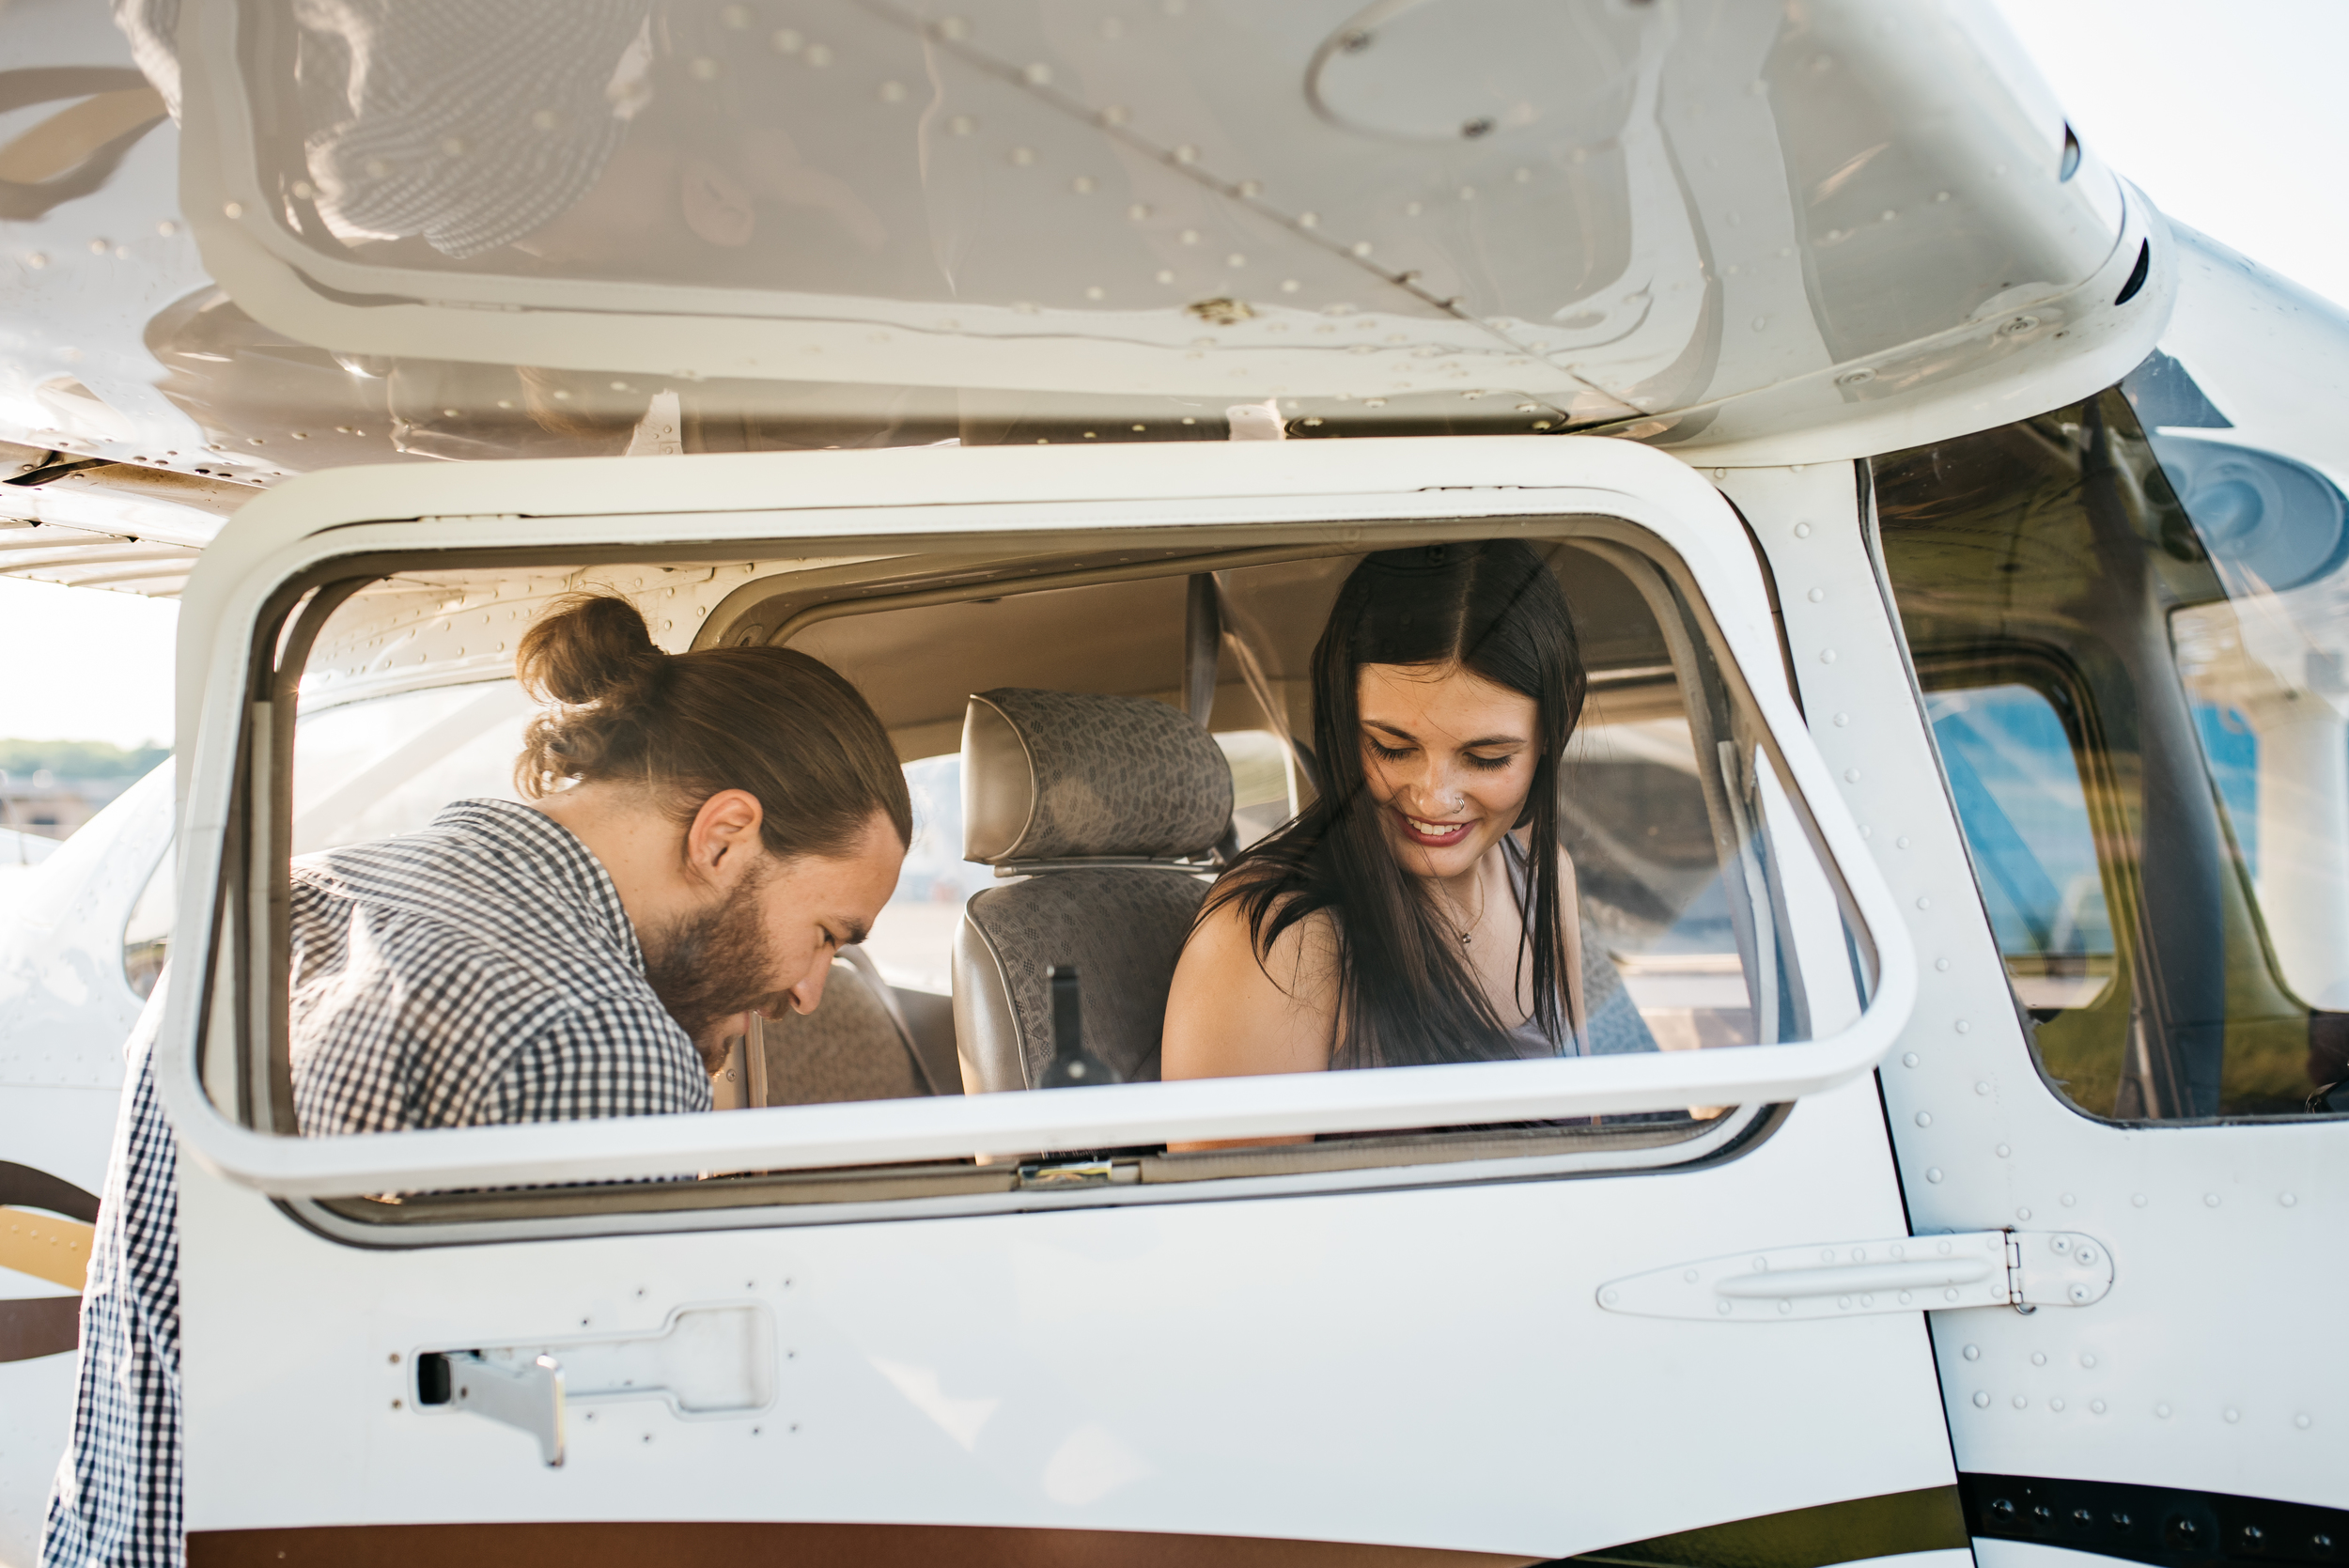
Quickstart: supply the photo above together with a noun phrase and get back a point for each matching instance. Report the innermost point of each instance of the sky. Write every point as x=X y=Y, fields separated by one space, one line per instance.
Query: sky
x=2230 y=118
x=85 y=664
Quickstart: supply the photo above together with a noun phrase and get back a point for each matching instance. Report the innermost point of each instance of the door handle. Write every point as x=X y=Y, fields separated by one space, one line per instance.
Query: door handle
x=704 y=1361
x=2022 y=1269
x=527 y=1394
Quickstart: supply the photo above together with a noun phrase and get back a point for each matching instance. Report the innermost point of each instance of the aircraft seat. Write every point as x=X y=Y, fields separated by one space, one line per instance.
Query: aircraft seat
x=1092 y=800
x=854 y=1047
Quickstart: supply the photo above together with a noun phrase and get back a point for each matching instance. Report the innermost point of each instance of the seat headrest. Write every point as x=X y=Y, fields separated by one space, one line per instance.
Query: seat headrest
x=1062 y=775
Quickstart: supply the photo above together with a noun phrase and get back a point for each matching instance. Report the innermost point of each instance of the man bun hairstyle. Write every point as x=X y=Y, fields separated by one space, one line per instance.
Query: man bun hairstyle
x=774 y=722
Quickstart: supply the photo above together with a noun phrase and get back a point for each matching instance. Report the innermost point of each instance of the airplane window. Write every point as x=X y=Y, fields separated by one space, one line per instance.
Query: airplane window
x=2025 y=815
x=385 y=765
x=1090 y=742
x=1263 y=794
x=365 y=769
x=1656 y=899
x=1668 y=932
x=2128 y=638
x=912 y=941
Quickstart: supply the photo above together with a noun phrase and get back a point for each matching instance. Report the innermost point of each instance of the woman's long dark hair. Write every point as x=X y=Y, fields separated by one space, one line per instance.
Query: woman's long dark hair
x=1405 y=992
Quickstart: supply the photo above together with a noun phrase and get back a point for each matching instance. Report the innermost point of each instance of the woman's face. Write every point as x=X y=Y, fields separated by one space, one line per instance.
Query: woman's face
x=1449 y=758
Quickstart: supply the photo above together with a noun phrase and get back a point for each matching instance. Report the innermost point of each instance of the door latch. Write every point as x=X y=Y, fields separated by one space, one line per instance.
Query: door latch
x=2022 y=1269
x=704 y=1362
x=504 y=1387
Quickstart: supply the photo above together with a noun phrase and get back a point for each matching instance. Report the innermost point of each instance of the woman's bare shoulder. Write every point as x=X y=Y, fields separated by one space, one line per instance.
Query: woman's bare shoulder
x=1234 y=1010
x=1295 y=959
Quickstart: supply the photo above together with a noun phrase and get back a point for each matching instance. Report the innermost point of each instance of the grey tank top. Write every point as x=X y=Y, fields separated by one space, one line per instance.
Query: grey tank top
x=1530 y=1040
x=1614 y=1025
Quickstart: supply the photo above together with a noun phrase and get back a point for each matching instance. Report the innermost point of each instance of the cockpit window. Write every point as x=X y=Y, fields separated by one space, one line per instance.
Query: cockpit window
x=2025 y=814
x=2126 y=641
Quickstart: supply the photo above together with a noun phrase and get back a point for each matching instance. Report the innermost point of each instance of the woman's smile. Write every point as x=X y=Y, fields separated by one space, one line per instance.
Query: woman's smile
x=1435 y=835
x=1449 y=758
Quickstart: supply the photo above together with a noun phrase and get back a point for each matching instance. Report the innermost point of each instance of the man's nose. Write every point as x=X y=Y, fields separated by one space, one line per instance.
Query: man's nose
x=809 y=991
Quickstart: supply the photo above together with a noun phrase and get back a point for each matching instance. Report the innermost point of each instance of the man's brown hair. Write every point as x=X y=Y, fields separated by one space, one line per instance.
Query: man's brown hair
x=774 y=722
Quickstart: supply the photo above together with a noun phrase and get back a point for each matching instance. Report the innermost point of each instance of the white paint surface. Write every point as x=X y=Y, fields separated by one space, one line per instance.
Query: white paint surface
x=2196 y=1371
x=1425 y=1367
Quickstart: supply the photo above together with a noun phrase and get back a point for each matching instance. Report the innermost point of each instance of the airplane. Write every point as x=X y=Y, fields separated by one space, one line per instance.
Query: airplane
x=1957 y=545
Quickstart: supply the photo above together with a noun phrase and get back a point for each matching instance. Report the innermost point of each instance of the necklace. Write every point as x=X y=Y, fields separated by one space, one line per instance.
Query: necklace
x=1464 y=931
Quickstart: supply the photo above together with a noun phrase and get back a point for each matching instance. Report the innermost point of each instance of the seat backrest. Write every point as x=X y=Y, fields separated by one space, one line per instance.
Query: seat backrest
x=1090 y=800
x=853 y=1046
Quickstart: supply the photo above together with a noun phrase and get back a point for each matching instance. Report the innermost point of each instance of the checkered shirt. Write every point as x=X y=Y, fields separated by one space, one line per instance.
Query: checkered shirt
x=115 y=1500
x=480 y=971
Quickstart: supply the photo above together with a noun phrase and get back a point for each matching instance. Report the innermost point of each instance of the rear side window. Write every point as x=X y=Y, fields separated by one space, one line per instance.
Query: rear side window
x=2016 y=783
x=2025 y=814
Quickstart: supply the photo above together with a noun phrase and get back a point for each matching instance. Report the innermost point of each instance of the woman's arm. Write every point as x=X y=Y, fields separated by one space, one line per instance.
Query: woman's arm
x=1228 y=1015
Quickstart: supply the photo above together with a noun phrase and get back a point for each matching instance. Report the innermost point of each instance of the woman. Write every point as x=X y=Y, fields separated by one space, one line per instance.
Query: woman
x=1420 y=911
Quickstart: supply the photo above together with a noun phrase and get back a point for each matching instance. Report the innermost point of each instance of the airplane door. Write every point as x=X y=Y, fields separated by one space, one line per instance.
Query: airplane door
x=1536 y=1335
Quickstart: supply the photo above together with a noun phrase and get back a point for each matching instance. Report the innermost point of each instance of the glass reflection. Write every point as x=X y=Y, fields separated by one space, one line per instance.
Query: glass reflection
x=2137 y=727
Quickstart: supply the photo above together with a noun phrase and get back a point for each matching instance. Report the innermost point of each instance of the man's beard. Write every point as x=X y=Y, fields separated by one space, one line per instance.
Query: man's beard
x=710 y=966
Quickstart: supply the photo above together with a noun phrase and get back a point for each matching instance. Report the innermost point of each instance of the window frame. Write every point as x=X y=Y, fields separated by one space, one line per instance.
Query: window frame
x=243 y=642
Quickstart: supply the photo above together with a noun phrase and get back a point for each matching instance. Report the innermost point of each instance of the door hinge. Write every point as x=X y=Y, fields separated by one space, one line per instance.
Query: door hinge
x=2022 y=1269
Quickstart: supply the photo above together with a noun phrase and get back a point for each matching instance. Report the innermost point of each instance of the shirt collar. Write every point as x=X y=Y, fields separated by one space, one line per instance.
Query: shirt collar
x=570 y=869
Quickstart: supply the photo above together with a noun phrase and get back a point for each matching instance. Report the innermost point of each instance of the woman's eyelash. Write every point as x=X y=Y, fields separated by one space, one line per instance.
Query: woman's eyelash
x=1485 y=764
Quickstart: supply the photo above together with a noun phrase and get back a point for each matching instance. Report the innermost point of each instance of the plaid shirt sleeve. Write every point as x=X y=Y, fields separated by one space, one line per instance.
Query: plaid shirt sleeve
x=115 y=1502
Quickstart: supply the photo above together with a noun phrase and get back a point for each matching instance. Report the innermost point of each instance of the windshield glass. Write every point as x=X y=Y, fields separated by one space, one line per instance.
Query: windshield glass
x=2131 y=620
x=2242 y=409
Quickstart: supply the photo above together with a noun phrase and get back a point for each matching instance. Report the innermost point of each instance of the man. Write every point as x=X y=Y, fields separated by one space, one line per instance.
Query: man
x=708 y=829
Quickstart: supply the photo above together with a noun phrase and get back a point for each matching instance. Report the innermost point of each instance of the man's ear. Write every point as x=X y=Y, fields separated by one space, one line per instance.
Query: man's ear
x=723 y=840
x=716 y=205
